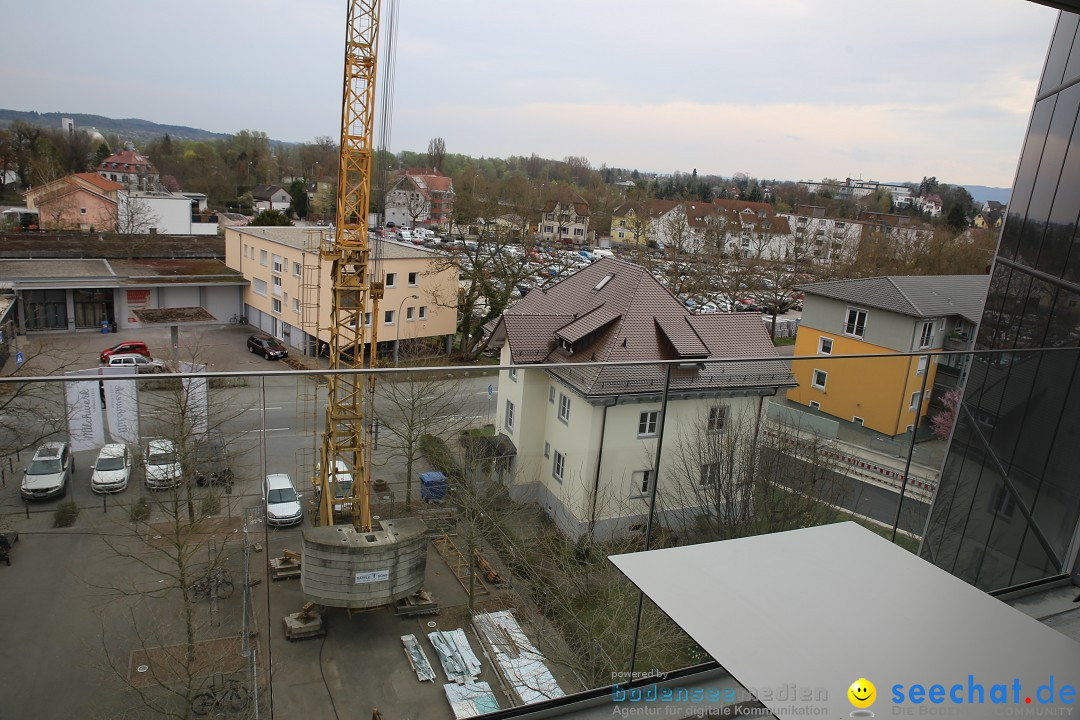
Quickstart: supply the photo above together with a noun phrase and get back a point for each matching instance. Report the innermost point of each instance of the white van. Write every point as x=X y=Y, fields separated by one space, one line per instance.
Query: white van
x=406 y=235
x=602 y=253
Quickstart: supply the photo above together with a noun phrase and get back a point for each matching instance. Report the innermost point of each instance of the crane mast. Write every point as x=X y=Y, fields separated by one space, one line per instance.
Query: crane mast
x=346 y=442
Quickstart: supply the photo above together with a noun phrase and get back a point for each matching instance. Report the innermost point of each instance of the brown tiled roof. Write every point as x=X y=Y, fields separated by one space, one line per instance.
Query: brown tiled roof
x=651 y=208
x=99 y=182
x=741 y=205
x=128 y=160
x=699 y=214
x=633 y=317
x=566 y=197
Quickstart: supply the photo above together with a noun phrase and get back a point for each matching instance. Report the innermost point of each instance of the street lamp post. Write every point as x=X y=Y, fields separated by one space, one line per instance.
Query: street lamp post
x=313 y=170
x=397 y=337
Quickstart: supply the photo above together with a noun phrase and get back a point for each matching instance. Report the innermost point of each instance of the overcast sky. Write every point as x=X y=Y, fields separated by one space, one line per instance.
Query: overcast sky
x=788 y=89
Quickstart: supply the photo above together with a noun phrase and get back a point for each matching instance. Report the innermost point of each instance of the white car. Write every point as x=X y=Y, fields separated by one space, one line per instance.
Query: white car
x=48 y=473
x=282 y=503
x=112 y=469
x=137 y=363
x=162 y=465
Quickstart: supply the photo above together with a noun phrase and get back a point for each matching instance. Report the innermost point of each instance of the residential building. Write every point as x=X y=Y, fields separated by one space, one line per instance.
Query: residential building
x=420 y=197
x=271 y=197
x=290 y=287
x=132 y=170
x=1007 y=510
x=899 y=229
x=882 y=315
x=820 y=239
x=929 y=204
x=753 y=229
x=82 y=201
x=688 y=226
x=583 y=437
x=565 y=219
x=990 y=216
x=165 y=213
x=633 y=222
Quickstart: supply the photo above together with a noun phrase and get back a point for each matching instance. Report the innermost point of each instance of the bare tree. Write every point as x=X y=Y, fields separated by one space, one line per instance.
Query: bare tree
x=411 y=406
x=136 y=216
x=741 y=475
x=31 y=412
x=436 y=151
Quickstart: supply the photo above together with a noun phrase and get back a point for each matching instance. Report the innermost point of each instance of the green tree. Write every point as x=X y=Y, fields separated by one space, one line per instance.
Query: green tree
x=298 y=191
x=271 y=218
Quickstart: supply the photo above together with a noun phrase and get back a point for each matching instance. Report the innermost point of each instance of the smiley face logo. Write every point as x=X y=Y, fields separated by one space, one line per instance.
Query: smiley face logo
x=862 y=693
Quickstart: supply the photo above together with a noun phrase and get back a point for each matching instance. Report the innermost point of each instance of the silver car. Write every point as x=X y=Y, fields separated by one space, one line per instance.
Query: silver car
x=111 y=469
x=49 y=471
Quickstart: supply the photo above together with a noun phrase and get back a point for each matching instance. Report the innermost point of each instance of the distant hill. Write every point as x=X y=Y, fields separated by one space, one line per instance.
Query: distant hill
x=982 y=193
x=127 y=128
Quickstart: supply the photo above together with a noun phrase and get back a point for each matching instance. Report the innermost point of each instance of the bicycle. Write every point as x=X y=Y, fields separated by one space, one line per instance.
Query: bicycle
x=238 y=320
x=230 y=695
x=217 y=583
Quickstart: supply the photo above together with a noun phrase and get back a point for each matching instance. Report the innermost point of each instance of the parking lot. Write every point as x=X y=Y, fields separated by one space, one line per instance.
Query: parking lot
x=93 y=599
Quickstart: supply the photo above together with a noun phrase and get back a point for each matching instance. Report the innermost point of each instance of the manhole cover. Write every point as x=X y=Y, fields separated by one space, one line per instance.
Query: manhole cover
x=143 y=668
x=432 y=623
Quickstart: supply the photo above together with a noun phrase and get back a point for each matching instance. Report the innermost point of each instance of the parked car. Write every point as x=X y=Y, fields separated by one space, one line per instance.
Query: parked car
x=137 y=363
x=266 y=346
x=281 y=500
x=212 y=461
x=49 y=471
x=129 y=347
x=112 y=469
x=342 y=484
x=162 y=465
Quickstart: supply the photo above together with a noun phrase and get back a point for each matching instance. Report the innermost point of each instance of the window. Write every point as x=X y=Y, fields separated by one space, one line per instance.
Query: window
x=915 y=398
x=710 y=474
x=646 y=425
x=558 y=465
x=1003 y=504
x=564 y=408
x=579 y=231
x=824 y=346
x=245 y=250
x=82 y=211
x=262 y=257
x=275 y=304
x=642 y=483
x=820 y=378
x=259 y=286
x=551 y=394
x=296 y=305
x=276 y=259
x=276 y=281
x=296 y=269
x=391 y=280
x=547 y=228
x=423 y=312
x=367 y=319
x=410 y=313
x=547 y=449
x=856 y=322
x=922 y=366
x=388 y=317
x=512 y=374
x=509 y=415
x=815 y=405
x=926 y=338
x=717 y=418
x=414 y=279
x=857 y=420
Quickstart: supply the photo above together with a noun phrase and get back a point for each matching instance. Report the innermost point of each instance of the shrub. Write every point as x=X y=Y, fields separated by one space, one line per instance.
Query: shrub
x=140 y=511
x=65 y=514
x=211 y=505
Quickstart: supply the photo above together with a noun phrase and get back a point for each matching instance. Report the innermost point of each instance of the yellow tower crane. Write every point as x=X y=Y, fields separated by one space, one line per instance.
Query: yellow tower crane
x=346 y=443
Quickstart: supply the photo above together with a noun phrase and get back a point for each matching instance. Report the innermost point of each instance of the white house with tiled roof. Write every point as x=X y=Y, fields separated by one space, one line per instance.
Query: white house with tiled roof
x=583 y=434
x=565 y=219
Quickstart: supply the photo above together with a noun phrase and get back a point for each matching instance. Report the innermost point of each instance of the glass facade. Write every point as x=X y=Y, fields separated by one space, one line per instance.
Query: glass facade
x=1008 y=505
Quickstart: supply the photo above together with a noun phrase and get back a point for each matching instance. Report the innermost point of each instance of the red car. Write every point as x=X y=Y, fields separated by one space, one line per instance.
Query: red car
x=137 y=347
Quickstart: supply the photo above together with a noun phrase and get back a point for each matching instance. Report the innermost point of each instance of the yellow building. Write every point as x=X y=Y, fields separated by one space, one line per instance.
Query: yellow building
x=883 y=315
x=634 y=223
x=289 y=292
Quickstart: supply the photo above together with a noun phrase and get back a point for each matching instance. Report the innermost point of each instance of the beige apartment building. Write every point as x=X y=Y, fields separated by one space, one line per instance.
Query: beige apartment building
x=289 y=292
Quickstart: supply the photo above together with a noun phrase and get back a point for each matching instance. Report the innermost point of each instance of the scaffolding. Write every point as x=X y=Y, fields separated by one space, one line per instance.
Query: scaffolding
x=308 y=403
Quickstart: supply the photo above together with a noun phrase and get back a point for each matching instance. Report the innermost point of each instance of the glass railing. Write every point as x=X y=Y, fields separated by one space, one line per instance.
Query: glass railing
x=178 y=582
